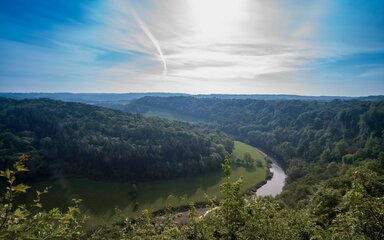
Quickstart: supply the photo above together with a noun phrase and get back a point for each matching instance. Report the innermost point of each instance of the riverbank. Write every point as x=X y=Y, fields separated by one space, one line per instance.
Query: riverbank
x=100 y=198
x=271 y=186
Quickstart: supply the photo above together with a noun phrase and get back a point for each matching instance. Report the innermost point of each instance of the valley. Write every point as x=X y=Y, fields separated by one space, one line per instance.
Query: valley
x=159 y=153
x=100 y=198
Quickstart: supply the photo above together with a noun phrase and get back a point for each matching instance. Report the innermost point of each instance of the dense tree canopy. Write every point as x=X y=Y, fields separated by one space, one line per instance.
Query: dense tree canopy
x=288 y=129
x=312 y=139
x=78 y=139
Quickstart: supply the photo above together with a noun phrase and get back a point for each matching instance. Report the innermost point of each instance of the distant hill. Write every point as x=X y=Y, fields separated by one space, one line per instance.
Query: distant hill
x=88 y=97
x=79 y=139
x=286 y=97
x=117 y=100
x=287 y=128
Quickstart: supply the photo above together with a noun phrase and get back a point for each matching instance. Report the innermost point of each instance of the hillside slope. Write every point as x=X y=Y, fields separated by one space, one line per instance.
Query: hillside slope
x=315 y=141
x=66 y=138
x=311 y=130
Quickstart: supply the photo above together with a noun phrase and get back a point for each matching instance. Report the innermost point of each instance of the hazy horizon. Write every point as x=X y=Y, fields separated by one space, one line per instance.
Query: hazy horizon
x=193 y=94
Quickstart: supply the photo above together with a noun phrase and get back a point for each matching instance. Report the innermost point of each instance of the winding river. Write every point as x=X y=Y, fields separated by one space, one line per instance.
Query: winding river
x=101 y=197
x=275 y=185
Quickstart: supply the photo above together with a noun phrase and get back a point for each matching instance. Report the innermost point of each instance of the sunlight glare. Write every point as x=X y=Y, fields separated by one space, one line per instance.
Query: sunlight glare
x=215 y=20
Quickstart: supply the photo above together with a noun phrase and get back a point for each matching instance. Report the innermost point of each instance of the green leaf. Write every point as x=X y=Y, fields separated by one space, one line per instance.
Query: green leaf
x=20 y=188
x=77 y=201
x=38 y=205
x=20 y=168
x=19 y=213
x=7 y=173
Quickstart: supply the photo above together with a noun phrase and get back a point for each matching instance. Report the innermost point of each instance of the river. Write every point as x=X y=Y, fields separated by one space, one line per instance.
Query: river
x=275 y=185
x=101 y=197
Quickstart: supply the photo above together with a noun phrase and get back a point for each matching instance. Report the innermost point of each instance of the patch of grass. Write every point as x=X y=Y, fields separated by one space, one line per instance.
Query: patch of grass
x=241 y=149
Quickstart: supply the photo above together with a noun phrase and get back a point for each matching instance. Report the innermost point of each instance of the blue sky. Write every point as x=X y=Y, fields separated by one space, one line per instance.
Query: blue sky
x=319 y=47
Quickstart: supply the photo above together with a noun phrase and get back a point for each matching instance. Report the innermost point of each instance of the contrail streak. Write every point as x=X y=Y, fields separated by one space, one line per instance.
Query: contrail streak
x=152 y=38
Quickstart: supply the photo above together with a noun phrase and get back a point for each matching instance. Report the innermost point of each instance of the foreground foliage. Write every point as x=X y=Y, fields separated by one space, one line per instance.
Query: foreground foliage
x=357 y=213
x=349 y=211
x=31 y=222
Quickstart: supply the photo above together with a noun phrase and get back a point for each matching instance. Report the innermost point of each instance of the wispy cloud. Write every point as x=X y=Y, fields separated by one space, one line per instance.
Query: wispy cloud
x=244 y=46
x=152 y=38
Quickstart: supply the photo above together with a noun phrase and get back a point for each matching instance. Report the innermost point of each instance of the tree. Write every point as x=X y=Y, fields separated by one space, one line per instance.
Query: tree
x=362 y=210
x=232 y=205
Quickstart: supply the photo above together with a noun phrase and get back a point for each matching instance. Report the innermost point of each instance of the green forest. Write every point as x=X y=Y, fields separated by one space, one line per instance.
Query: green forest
x=335 y=131
x=333 y=153
x=70 y=139
x=310 y=138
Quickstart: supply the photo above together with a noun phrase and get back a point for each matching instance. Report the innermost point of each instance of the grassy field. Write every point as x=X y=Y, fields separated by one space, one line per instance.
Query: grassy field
x=101 y=197
x=241 y=148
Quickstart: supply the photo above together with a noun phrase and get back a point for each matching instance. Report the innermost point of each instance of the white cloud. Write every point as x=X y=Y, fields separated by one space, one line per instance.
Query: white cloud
x=245 y=46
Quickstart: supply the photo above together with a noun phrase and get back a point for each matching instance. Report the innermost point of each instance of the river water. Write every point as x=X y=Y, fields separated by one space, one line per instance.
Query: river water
x=275 y=185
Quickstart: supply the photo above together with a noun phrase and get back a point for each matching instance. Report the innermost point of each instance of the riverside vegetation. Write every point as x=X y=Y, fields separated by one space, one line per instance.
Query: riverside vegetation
x=100 y=197
x=359 y=215
x=333 y=152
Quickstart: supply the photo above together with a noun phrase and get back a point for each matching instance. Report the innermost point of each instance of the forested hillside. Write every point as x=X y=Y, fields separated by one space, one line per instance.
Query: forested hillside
x=315 y=140
x=311 y=130
x=70 y=139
